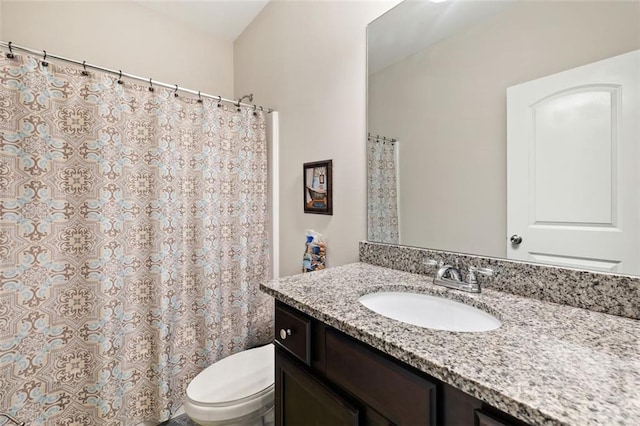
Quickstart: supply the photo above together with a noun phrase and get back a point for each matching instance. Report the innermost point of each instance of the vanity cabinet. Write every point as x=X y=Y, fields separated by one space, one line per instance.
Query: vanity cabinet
x=304 y=400
x=324 y=377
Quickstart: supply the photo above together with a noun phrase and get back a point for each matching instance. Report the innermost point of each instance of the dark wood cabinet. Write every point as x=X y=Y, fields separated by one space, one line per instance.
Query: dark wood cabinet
x=303 y=400
x=324 y=377
x=486 y=419
x=394 y=392
x=293 y=332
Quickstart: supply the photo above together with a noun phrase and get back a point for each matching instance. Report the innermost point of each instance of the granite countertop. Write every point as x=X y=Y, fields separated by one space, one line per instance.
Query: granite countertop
x=547 y=364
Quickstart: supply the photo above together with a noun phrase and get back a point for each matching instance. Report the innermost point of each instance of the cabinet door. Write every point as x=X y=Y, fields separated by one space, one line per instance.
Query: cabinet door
x=305 y=401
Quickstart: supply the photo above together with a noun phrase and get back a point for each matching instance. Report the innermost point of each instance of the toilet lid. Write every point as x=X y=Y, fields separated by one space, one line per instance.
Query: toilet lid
x=235 y=377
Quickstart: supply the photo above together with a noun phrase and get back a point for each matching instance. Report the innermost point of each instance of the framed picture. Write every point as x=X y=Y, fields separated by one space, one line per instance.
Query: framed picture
x=318 y=191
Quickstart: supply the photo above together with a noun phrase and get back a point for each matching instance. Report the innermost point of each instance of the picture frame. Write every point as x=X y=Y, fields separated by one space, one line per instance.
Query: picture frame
x=318 y=187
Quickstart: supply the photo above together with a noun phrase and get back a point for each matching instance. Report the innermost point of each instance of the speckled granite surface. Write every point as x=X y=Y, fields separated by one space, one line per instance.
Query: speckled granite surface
x=547 y=364
x=601 y=292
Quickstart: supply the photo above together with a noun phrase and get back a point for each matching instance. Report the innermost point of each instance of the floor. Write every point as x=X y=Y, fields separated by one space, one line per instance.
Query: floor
x=181 y=420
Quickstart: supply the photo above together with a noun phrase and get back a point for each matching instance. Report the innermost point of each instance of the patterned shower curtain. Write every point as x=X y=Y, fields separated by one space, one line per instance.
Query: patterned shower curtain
x=382 y=199
x=133 y=235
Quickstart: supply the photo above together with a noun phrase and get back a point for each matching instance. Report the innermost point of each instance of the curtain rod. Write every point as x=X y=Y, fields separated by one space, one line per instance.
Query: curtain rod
x=381 y=138
x=11 y=47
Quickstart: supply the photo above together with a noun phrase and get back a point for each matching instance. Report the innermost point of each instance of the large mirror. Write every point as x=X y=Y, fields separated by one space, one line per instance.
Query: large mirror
x=508 y=129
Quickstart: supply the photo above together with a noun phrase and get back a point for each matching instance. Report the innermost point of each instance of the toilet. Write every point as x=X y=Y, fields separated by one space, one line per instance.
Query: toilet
x=237 y=390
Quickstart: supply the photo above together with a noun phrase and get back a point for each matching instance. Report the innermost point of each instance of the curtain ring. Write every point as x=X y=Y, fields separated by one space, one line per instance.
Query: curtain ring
x=151 y=89
x=120 y=77
x=255 y=107
x=84 y=71
x=10 y=55
x=175 y=92
x=219 y=101
x=199 y=98
x=44 y=59
x=238 y=109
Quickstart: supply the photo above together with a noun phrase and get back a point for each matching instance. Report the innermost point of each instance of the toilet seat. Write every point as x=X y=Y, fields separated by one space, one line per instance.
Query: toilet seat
x=235 y=387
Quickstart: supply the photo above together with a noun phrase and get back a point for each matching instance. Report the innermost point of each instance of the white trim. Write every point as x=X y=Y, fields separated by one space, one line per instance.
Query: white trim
x=396 y=159
x=274 y=189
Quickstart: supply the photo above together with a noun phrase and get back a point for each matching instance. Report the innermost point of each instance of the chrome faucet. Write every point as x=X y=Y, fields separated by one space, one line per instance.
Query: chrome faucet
x=448 y=272
x=449 y=276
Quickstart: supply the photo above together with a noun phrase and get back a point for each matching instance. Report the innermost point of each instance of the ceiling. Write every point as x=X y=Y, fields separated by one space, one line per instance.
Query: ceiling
x=225 y=19
x=414 y=25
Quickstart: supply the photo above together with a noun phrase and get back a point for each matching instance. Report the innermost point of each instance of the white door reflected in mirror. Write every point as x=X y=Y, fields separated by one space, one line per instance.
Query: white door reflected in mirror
x=572 y=167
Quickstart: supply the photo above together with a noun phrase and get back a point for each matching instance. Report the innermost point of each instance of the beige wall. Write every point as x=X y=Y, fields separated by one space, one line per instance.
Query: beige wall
x=1 y=32
x=123 y=35
x=447 y=107
x=307 y=59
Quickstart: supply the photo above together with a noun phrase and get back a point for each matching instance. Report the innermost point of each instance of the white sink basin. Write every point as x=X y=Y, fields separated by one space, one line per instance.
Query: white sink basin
x=430 y=311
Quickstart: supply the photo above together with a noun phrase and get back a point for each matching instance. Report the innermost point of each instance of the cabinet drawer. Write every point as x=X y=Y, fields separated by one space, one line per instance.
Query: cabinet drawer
x=399 y=395
x=293 y=333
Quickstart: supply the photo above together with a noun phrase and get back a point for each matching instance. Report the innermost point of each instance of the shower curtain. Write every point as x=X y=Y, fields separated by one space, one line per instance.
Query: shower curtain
x=382 y=197
x=133 y=235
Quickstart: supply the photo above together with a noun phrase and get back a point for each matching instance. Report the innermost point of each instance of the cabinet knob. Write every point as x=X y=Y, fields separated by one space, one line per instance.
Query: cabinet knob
x=284 y=333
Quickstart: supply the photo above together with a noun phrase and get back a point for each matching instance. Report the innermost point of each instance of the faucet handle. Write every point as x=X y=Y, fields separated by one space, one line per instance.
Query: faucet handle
x=429 y=263
x=482 y=271
x=473 y=270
